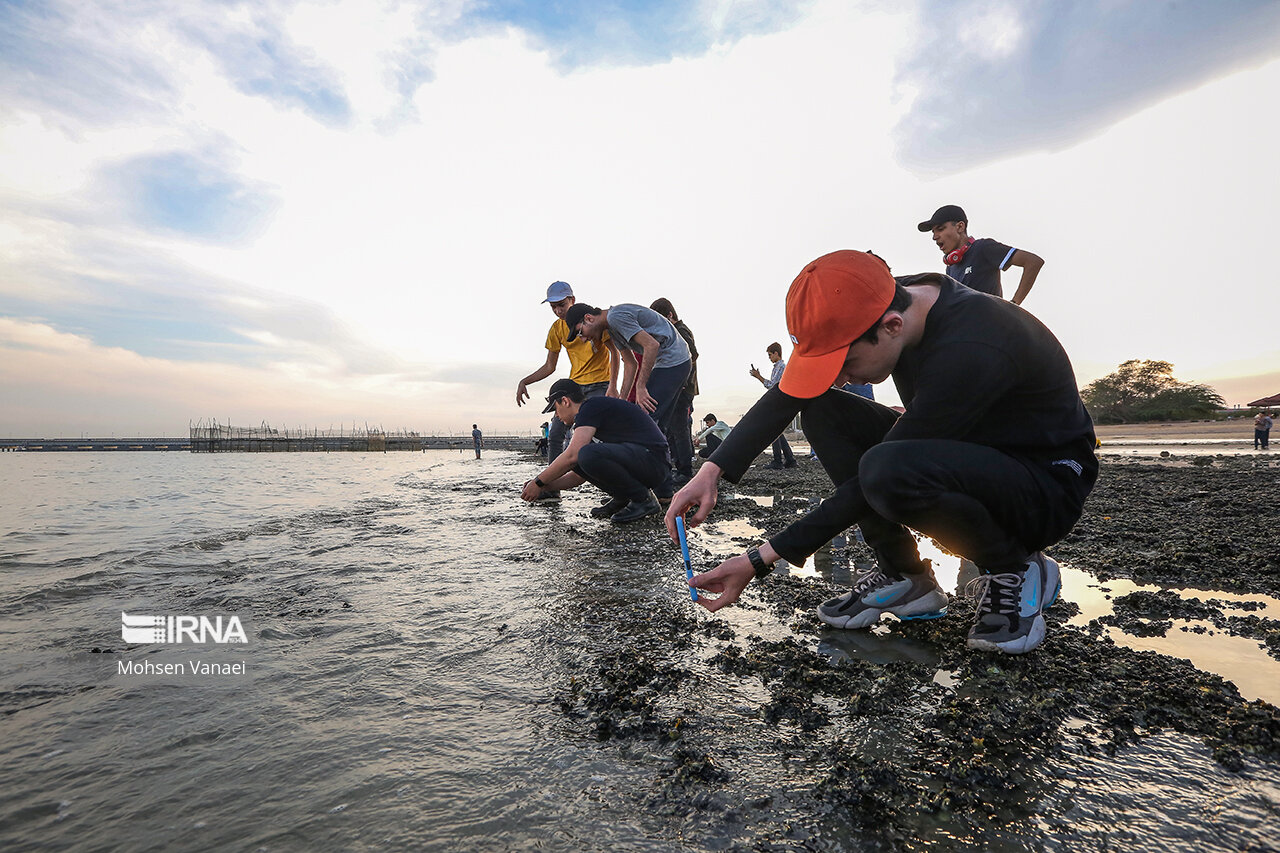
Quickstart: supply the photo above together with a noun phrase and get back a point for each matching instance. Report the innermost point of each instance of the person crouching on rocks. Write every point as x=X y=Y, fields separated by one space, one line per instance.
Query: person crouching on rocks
x=628 y=460
x=993 y=457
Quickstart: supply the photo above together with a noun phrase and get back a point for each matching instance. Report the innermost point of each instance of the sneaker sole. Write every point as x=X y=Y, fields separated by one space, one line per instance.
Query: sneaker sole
x=1015 y=646
x=1051 y=599
x=931 y=606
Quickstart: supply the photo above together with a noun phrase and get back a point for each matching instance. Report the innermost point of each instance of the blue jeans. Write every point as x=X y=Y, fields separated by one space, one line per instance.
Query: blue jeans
x=624 y=470
x=558 y=433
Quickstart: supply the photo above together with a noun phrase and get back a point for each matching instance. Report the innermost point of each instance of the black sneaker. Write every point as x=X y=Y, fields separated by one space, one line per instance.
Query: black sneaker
x=638 y=509
x=915 y=596
x=1010 y=611
x=775 y=466
x=790 y=463
x=609 y=508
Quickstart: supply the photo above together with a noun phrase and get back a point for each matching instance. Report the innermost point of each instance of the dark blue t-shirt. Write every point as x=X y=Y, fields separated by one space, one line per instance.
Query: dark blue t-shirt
x=619 y=422
x=980 y=267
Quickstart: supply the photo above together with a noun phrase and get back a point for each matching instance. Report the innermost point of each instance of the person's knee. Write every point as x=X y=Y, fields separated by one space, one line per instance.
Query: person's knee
x=889 y=481
x=589 y=457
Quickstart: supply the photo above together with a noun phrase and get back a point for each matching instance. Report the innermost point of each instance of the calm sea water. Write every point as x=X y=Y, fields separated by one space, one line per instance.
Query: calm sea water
x=398 y=675
x=409 y=624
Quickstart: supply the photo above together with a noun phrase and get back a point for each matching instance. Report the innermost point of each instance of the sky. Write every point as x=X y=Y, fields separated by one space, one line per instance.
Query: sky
x=347 y=213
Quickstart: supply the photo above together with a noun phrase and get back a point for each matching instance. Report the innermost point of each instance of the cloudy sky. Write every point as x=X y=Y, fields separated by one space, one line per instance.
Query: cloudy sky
x=320 y=213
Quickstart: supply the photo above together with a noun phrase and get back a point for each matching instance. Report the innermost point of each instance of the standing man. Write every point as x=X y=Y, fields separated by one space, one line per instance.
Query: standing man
x=477 y=438
x=633 y=329
x=680 y=439
x=595 y=368
x=993 y=457
x=978 y=263
x=627 y=459
x=782 y=455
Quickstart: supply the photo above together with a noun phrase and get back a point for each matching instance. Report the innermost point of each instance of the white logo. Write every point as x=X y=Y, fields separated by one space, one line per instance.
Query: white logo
x=181 y=629
x=1072 y=464
x=793 y=339
x=968 y=270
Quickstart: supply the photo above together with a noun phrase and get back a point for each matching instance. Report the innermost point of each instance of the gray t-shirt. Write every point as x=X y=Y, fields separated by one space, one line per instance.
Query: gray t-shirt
x=627 y=319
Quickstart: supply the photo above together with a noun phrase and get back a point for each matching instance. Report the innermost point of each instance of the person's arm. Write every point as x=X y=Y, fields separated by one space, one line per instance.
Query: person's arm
x=548 y=368
x=628 y=360
x=756 y=431
x=650 y=346
x=1031 y=264
x=560 y=474
x=730 y=578
x=775 y=376
x=614 y=372
x=758 y=375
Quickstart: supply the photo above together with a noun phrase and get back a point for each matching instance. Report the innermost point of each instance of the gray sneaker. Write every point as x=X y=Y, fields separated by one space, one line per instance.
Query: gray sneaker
x=1010 y=611
x=916 y=596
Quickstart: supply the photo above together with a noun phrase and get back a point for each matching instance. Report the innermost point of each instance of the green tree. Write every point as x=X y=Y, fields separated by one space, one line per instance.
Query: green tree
x=1146 y=390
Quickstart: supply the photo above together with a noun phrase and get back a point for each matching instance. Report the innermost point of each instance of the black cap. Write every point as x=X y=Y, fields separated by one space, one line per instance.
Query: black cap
x=574 y=316
x=562 y=388
x=946 y=213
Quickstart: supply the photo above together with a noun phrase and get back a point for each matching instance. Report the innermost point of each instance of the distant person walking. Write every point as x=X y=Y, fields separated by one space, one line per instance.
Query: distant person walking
x=1262 y=431
x=591 y=366
x=680 y=438
x=782 y=455
x=977 y=264
x=477 y=439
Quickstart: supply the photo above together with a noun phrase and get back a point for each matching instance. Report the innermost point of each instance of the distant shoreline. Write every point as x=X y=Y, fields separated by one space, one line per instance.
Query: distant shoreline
x=1241 y=428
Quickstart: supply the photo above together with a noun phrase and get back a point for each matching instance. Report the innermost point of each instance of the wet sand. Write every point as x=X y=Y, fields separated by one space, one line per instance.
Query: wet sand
x=769 y=730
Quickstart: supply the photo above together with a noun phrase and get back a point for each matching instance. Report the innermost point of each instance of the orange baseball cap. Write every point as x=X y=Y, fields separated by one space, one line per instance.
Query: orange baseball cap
x=830 y=304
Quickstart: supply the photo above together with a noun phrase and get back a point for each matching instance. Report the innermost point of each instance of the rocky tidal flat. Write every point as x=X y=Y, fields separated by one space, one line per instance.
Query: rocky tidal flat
x=768 y=730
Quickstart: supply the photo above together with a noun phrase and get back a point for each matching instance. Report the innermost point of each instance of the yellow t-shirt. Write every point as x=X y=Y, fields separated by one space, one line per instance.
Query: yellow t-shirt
x=586 y=365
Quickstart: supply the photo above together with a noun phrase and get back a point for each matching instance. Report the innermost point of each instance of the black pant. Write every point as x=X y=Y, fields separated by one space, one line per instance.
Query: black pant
x=782 y=454
x=624 y=470
x=985 y=504
x=679 y=434
x=713 y=441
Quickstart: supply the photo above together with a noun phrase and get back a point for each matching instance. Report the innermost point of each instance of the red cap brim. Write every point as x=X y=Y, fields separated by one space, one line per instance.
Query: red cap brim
x=809 y=376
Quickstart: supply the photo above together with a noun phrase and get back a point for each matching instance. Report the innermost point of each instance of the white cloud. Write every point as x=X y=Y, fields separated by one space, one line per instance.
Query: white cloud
x=404 y=253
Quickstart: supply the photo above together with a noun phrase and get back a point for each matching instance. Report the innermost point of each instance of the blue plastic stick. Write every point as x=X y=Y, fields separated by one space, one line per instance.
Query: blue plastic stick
x=684 y=549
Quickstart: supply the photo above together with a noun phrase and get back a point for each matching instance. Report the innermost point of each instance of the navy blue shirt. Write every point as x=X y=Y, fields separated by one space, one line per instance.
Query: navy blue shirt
x=620 y=422
x=980 y=267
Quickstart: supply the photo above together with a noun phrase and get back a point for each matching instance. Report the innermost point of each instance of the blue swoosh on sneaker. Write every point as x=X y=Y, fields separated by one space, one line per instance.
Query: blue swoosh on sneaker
x=885 y=599
x=1035 y=592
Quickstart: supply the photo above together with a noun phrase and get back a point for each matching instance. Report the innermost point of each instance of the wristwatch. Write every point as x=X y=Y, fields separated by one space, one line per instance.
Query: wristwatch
x=537 y=481
x=757 y=562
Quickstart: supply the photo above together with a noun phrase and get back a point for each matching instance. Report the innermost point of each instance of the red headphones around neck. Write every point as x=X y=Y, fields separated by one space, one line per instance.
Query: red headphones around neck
x=958 y=255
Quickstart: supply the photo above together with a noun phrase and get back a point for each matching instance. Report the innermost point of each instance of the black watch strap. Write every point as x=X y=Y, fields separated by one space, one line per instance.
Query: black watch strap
x=757 y=562
x=537 y=481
